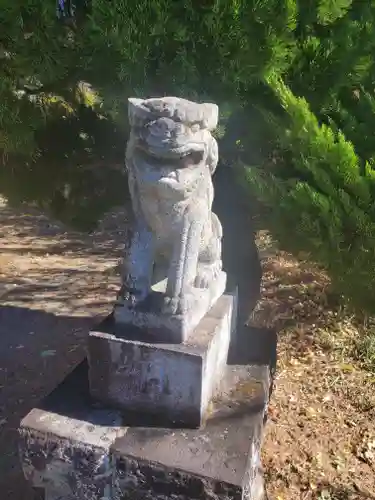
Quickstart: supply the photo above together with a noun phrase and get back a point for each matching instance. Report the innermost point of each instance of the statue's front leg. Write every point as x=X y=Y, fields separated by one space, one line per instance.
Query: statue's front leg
x=138 y=268
x=183 y=267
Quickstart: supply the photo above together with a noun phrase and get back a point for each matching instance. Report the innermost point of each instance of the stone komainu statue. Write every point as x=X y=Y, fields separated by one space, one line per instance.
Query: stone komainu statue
x=170 y=158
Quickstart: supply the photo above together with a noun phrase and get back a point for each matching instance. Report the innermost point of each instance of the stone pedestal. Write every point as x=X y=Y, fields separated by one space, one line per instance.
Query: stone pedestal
x=172 y=382
x=189 y=425
x=71 y=450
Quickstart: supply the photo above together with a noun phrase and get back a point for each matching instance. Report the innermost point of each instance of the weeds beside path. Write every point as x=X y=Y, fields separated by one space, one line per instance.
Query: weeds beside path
x=320 y=438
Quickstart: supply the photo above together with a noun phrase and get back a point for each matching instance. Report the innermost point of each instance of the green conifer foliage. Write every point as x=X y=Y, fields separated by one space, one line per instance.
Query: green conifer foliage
x=321 y=203
x=320 y=192
x=210 y=49
x=206 y=48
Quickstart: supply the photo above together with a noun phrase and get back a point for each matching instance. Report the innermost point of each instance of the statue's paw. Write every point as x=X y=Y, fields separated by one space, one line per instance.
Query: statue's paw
x=203 y=279
x=127 y=297
x=171 y=305
x=178 y=305
x=207 y=274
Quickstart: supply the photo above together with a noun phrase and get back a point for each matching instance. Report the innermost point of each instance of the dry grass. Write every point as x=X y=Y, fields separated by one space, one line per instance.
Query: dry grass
x=320 y=441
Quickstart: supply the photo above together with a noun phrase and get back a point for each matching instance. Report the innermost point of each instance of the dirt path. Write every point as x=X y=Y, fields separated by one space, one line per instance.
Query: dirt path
x=53 y=284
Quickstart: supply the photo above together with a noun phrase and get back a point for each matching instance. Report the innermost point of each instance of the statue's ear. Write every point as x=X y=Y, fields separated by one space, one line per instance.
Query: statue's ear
x=210 y=115
x=138 y=114
x=135 y=101
x=212 y=154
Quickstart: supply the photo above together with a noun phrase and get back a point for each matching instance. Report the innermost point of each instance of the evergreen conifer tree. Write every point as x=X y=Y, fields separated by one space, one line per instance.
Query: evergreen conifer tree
x=324 y=198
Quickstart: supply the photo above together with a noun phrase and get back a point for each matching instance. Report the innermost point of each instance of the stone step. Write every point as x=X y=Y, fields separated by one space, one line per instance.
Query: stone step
x=72 y=450
x=174 y=383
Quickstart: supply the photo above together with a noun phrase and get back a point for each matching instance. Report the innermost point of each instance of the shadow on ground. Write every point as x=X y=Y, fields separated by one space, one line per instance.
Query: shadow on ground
x=37 y=350
x=54 y=284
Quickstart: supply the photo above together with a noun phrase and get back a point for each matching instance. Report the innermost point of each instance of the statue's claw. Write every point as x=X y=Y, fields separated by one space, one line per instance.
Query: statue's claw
x=171 y=306
x=207 y=273
x=127 y=297
x=178 y=305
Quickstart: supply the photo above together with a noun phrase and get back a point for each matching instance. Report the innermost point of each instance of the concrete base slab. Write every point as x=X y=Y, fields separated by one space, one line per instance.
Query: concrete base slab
x=76 y=452
x=161 y=327
x=221 y=461
x=65 y=444
x=172 y=382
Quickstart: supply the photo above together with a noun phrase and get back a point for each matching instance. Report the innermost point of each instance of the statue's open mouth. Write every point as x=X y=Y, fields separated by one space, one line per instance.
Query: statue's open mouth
x=187 y=154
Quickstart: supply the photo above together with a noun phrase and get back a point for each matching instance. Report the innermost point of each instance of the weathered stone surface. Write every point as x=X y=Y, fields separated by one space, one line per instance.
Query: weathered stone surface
x=66 y=470
x=72 y=451
x=171 y=156
x=173 y=382
x=65 y=443
x=221 y=461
